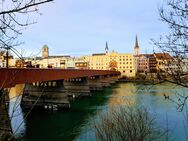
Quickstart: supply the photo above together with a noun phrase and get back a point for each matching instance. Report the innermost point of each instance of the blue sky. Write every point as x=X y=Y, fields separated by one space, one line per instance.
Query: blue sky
x=80 y=27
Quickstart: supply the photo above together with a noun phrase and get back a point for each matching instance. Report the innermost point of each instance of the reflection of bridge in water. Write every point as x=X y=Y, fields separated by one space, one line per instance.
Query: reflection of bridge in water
x=49 y=88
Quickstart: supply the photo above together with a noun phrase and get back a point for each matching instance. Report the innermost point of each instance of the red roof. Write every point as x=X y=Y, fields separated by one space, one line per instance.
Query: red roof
x=163 y=56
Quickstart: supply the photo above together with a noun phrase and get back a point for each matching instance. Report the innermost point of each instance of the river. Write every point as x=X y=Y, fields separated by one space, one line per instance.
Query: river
x=74 y=124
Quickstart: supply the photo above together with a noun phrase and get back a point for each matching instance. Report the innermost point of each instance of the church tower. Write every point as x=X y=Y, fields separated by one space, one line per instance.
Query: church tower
x=106 y=48
x=45 y=51
x=136 y=47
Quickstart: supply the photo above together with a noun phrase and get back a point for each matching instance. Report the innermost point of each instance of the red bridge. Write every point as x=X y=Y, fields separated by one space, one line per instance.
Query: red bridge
x=9 y=77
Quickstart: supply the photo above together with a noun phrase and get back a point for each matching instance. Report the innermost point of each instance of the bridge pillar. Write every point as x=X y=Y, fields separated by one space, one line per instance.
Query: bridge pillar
x=5 y=124
x=112 y=79
x=77 y=87
x=94 y=83
x=49 y=94
x=105 y=81
x=99 y=82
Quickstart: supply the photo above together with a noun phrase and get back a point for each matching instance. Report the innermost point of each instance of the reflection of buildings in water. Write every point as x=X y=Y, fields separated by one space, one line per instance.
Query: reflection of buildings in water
x=124 y=95
x=15 y=111
x=146 y=95
x=154 y=95
x=119 y=101
x=160 y=89
x=17 y=117
x=16 y=91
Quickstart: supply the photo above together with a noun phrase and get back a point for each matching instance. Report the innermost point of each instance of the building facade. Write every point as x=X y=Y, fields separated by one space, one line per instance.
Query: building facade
x=4 y=59
x=51 y=62
x=146 y=63
x=163 y=62
x=45 y=51
x=153 y=63
x=112 y=61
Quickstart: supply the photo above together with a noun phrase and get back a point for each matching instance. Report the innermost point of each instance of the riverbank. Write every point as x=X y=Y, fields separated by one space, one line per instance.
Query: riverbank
x=138 y=80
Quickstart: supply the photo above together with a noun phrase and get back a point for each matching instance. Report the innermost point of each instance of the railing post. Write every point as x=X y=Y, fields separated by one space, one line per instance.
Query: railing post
x=5 y=126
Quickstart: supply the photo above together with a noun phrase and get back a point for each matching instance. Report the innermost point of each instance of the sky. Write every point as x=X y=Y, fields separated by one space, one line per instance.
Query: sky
x=82 y=27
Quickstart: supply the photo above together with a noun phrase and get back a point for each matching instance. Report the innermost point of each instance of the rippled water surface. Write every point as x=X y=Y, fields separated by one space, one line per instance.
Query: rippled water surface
x=74 y=123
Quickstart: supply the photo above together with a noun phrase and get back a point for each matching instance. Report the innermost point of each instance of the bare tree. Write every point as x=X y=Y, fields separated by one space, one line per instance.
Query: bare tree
x=14 y=17
x=174 y=13
x=128 y=124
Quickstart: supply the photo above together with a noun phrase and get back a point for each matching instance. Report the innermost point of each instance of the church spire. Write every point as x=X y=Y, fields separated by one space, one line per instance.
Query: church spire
x=106 y=48
x=136 y=47
x=136 y=43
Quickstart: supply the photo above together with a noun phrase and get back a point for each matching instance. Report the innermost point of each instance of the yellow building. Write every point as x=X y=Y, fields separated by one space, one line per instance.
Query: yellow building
x=112 y=61
x=3 y=59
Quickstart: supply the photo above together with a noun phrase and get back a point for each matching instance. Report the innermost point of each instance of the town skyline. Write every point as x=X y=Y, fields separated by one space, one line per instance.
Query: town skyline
x=79 y=27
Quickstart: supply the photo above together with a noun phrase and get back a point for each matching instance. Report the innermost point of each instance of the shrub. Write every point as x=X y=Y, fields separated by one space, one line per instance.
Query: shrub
x=127 y=124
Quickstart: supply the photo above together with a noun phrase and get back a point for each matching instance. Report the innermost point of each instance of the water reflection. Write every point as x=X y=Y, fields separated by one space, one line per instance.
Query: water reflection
x=152 y=97
x=74 y=124
x=16 y=91
x=16 y=116
x=123 y=95
x=15 y=111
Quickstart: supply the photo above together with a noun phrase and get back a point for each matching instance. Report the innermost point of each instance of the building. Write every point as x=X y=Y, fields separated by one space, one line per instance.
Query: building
x=51 y=62
x=143 y=63
x=62 y=61
x=152 y=63
x=45 y=51
x=163 y=62
x=3 y=59
x=146 y=63
x=112 y=61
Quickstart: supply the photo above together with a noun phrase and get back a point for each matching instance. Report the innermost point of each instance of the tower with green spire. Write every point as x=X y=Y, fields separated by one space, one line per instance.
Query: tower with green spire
x=136 y=47
x=45 y=51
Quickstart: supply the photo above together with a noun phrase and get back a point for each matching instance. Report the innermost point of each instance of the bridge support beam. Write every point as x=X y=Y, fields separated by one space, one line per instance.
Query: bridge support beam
x=59 y=93
x=49 y=94
x=95 y=84
x=99 y=82
x=104 y=81
x=112 y=79
x=5 y=124
x=77 y=87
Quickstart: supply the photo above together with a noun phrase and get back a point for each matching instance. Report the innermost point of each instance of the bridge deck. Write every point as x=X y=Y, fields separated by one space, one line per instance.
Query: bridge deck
x=9 y=77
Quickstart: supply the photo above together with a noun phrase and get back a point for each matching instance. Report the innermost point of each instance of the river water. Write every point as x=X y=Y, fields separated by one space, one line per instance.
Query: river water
x=74 y=124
